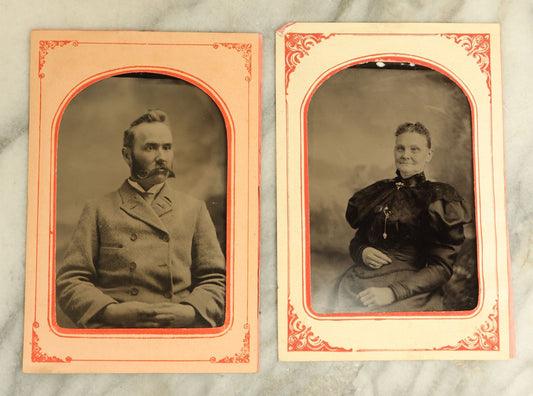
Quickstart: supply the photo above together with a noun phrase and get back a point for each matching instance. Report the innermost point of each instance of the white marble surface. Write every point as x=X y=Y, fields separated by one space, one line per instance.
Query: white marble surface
x=513 y=377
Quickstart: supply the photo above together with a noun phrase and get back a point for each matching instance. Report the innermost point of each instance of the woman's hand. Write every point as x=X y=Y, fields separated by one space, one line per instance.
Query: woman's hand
x=374 y=297
x=374 y=258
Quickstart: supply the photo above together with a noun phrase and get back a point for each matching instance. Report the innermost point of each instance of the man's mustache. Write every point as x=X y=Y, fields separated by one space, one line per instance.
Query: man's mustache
x=161 y=167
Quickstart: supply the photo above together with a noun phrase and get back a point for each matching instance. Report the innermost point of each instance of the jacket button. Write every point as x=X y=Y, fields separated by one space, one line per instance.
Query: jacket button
x=165 y=237
x=134 y=291
x=133 y=265
x=133 y=237
x=168 y=295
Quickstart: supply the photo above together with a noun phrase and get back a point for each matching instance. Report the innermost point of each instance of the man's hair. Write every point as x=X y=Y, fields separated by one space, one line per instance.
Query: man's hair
x=149 y=116
x=417 y=127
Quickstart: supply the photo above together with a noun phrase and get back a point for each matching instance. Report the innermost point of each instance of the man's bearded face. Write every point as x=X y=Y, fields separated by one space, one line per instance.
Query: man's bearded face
x=150 y=158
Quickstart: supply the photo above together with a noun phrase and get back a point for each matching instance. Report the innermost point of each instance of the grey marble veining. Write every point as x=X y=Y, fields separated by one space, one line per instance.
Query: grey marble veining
x=513 y=377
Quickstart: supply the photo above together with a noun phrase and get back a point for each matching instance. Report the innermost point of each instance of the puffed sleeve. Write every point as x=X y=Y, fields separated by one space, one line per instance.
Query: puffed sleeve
x=354 y=212
x=447 y=217
x=359 y=206
x=77 y=294
x=362 y=202
x=208 y=272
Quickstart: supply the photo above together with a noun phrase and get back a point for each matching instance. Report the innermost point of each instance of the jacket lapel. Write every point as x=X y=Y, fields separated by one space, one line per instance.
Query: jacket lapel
x=135 y=205
x=162 y=203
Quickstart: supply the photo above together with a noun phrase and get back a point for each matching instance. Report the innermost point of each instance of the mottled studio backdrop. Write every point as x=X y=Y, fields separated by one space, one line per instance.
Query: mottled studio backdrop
x=89 y=158
x=352 y=119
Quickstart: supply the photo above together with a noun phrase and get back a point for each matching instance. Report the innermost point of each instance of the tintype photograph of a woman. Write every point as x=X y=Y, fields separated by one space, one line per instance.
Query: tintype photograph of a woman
x=391 y=192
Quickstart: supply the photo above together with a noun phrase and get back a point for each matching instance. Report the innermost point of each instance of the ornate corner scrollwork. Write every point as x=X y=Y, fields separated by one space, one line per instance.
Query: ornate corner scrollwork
x=477 y=46
x=485 y=338
x=246 y=49
x=47 y=45
x=37 y=354
x=243 y=356
x=301 y=338
x=297 y=45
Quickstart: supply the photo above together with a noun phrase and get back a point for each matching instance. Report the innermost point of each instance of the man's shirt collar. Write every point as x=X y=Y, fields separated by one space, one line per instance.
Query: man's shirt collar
x=148 y=195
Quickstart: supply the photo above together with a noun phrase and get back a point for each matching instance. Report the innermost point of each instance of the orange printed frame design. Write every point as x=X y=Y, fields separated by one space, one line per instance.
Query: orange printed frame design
x=469 y=55
x=235 y=88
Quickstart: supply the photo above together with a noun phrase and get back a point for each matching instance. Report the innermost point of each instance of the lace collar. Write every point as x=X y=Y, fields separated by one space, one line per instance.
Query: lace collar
x=412 y=181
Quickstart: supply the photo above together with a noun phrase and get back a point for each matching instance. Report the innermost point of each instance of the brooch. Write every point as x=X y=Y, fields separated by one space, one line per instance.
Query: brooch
x=399 y=184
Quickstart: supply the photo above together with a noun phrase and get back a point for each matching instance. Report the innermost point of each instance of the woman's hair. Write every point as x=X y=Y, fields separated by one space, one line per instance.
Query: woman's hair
x=417 y=127
x=149 y=116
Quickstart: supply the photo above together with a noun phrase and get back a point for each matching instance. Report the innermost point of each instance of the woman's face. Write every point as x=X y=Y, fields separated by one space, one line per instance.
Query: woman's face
x=411 y=153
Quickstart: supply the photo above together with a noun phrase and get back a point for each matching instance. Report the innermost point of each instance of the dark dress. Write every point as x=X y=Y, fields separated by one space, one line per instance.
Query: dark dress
x=419 y=225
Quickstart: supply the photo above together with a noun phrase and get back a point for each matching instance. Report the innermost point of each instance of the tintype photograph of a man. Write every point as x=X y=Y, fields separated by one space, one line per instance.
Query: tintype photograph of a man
x=391 y=192
x=141 y=206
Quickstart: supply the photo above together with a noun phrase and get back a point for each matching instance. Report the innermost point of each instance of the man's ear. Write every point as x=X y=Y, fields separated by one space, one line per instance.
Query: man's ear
x=126 y=154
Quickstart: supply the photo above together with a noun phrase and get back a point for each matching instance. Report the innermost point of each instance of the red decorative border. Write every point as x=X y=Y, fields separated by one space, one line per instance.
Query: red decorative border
x=230 y=128
x=485 y=338
x=48 y=45
x=301 y=338
x=297 y=45
x=477 y=46
x=37 y=354
x=241 y=357
x=247 y=54
x=384 y=57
